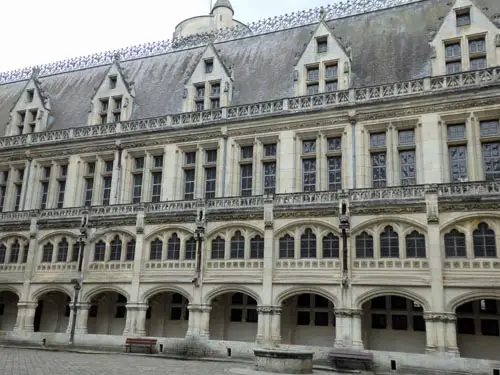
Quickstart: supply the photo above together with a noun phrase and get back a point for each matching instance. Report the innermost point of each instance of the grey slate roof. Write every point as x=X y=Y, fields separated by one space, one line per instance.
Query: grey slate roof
x=397 y=49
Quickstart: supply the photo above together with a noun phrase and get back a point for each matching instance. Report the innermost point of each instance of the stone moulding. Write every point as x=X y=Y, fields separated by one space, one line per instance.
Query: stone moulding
x=286 y=106
x=333 y=11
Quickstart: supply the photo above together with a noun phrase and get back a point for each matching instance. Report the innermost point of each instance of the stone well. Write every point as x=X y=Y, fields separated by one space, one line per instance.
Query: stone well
x=284 y=361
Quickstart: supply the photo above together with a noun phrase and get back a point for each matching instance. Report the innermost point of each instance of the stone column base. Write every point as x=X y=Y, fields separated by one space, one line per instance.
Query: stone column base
x=452 y=352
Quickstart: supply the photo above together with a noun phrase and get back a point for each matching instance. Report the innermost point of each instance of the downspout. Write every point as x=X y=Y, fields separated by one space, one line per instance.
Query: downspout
x=224 y=167
x=26 y=187
x=353 y=141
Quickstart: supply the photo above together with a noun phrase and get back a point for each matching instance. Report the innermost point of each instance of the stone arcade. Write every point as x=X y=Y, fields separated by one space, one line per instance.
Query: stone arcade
x=329 y=178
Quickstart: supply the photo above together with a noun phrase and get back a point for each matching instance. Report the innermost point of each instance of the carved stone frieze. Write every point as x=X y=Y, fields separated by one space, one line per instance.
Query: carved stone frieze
x=59 y=225
x=289 y=213
x=387 y=209
x=169 y=219
x=234 y=216
x=348 y=312
x=13 y=227
x=469 y=206
x=440 y=317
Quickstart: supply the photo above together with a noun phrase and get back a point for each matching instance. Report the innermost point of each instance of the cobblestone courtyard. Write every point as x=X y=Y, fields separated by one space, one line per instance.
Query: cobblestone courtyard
x=15 y=361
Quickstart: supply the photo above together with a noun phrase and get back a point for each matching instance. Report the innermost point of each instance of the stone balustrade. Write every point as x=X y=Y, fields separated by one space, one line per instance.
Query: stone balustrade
x=12 y=267
x=472 y=264
x=56 y=267
x=158 y=265
x=237 y=264
x=394 y=195
x=406 y=264
x=428 y=85
x=111 y=266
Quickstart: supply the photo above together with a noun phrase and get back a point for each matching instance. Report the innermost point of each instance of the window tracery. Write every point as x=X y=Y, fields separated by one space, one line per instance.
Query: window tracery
x=454 y=244
x=484 y=242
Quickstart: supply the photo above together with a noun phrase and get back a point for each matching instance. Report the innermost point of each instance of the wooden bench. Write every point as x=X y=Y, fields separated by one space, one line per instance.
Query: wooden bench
x=343 y=359
x=145 y=343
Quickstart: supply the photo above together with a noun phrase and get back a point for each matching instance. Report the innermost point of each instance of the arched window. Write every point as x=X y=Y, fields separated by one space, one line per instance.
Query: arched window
x=389 y=243
x=308 y=244
x=190 y=249
x=257 y=247
x=48 y=249
x=99 y=251
x=364 y=246
x=15 y=248
x=238 y=246
x=130 y=256
x=116 y=249
x=331 y=246
x=218 y=248
x=415 y=245
x=485 y=245
x=156 y=249
x=62 y=250
x=174 y=247
x=287 y=247
x=3 y=252
x=26 y=248
x=454 y=244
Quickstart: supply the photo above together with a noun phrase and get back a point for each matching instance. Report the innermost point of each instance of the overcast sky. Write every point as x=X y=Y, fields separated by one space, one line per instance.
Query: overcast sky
x=35 y=32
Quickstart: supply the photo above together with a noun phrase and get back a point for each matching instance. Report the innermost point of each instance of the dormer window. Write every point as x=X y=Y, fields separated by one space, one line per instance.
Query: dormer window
x=322 y=43
x=112 y=82
x=313 y=73
x=199 y=97
x=215 y=89
x=30 y=94
x=477 y=53
x=117 y=110
x=463 y=17
x=104 y=119
x=453 y=58
x=312 y=89
x=104 y=105
x=209 y=65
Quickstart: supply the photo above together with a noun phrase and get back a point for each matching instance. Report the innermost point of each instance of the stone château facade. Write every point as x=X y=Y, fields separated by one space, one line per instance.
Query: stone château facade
x=326 y=178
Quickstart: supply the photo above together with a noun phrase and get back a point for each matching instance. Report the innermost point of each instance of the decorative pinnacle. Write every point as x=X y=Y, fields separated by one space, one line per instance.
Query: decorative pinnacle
x=322 y=13
x=117 y=57
x=35 y=71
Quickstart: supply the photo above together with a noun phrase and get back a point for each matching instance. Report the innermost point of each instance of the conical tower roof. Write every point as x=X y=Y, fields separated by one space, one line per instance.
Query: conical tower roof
x=223 y=3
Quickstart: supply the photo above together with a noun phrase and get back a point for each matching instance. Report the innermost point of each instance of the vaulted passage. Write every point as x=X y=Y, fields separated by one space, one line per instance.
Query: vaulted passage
x=478 y=324
x=8 y=310
x=52 y=313
x=393 y=323
x=233 y=318
x=308 y=319
x=167 y=315
x=107 y=314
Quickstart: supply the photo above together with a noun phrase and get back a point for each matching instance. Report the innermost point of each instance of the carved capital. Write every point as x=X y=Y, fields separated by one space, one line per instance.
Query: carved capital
x=440 y=317
x=268 y=225
x=497 y=40
x=265 y=309
x=348 y=313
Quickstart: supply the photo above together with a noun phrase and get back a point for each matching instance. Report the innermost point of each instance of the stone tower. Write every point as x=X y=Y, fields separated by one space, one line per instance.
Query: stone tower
x=223 y=14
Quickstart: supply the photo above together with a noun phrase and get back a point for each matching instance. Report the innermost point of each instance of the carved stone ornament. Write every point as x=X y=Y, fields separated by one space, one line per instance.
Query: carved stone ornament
x=433 y=52
x=295 y=75
x=185 y=93
x=226 y=86
x=497 y=40
x=305 y=17
x=346 y=67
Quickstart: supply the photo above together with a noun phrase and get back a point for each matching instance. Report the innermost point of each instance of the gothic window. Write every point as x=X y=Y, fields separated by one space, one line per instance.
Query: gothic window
x=389 y=243
x=218 y=248
x=3 y=252
x=48 y=249
x=25 y=253
x=415 y=245
x=190 y=249
x=269 y=177
x=257 y=248
x=75 y=253
x=287 y=247
x=14 y=252
x=174 y=247
x=331 y=246
x=99 y=251
x=484 y=242
x=156 y=249
x=491 y=149
x=364 y=246
x=454 y=244
x=308 y=244
x=62 y=250
x=238 y=246
x=116 y=249
x=130 y=250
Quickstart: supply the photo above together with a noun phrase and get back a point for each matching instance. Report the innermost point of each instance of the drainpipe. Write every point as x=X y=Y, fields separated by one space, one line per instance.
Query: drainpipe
x=353 y=141
x=224 y=167
x=26 y=186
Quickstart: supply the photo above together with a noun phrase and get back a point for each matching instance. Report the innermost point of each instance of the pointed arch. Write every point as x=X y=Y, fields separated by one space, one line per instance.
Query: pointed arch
x=310 y=223
x=94 y=292
x=236 y=226
x=158 y=232
x=110 y=231
x=475 y=216
x=293 y=291
x=150 y=293
x=379 y=292
x=388 y=220
x=37 y=294
x=472 y=296
x=62 y=233
x=231 y=289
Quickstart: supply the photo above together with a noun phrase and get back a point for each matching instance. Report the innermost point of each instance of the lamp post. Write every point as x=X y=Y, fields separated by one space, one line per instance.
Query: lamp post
x=77 y=283
x=344 y=227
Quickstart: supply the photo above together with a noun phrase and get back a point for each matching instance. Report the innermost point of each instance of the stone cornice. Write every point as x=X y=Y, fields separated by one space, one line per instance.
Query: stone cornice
x=421 y=89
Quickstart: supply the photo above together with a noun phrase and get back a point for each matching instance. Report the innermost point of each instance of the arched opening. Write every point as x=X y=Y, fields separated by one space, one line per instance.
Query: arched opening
x=8 y=310
x=308 y=319
x=107 y=314
x=167 y=315
x=233 y=317
x=52 y=312
x=478 y=325
x=393 y=323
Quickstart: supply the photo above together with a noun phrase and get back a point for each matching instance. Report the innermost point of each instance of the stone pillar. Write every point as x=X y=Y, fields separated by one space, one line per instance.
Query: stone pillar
x=82 y=317
x=276 y=325
x=25 y=316
x=430 y=334
x=140 y=324
x=204 y=323
x=194 y=321
x=450 y=322
x=348 y=333
x=357 y=333
x=264 y=325
x=130 y=322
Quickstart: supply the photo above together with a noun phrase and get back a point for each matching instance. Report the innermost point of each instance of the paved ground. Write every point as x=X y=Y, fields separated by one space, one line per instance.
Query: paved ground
x=15 y=361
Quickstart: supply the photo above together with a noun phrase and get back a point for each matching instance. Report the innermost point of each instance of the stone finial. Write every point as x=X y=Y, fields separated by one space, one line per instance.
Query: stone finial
x=322 y=13
x=116 y=57
x=35 y=72
x=497 y=40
